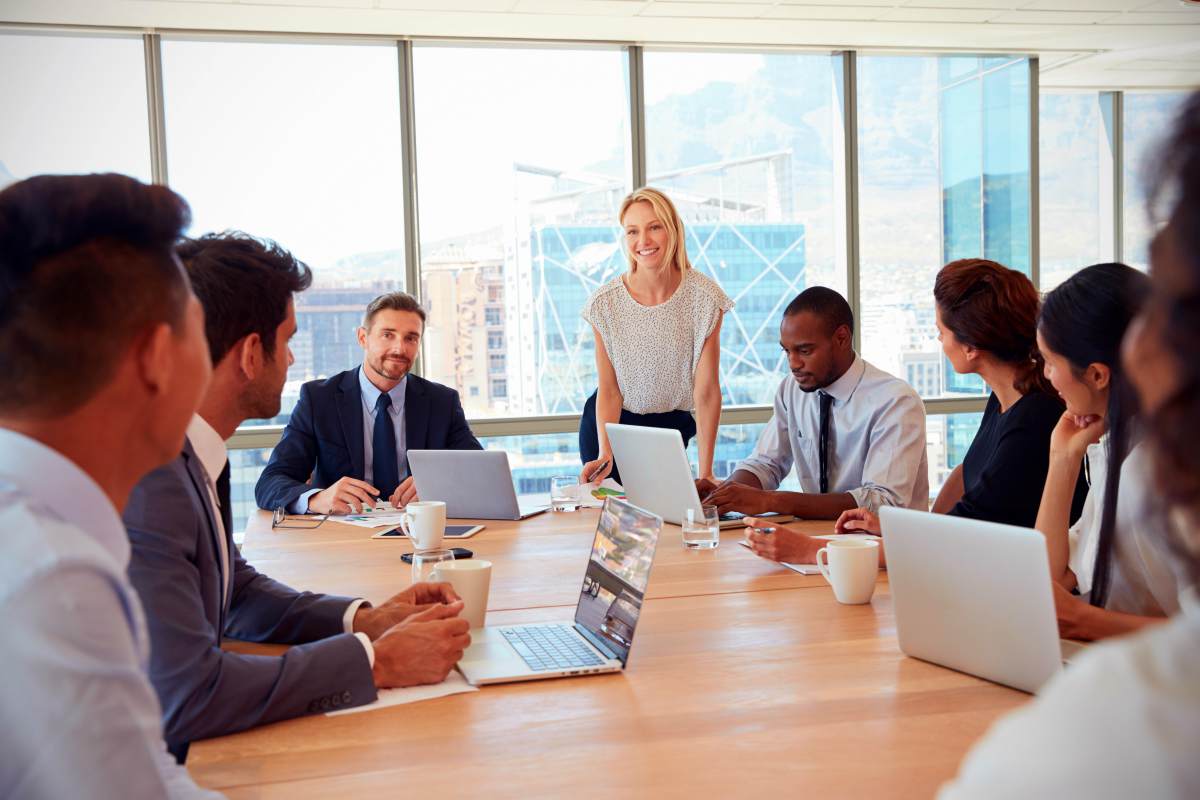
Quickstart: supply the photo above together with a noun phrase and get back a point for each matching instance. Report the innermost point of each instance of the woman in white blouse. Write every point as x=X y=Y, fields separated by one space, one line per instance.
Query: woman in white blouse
x=657 y=330
x=1111 y=556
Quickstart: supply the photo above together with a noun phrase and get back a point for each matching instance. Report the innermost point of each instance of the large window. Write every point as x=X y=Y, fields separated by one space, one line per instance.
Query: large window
x=1148 y=116
x=744 y=144
x=523 y=157
x=299 y=143
x=1075 y=190
x=73 y=104
x=943 y=174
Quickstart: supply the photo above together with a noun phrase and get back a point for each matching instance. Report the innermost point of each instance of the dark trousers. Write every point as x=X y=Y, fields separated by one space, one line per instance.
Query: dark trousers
x=589 y=441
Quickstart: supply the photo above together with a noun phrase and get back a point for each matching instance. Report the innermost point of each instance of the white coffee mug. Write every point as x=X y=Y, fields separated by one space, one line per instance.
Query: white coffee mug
x=851 y=567
x=471 y=579
x=424 y=522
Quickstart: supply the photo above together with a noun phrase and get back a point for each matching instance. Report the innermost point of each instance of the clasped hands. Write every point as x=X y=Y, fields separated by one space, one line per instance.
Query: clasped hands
x=418 y=635
x=351 y=496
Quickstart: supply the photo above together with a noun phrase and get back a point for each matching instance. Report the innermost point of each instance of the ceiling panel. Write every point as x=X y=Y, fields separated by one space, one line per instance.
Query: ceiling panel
x=617 y=8
x=1082 y=5
x=1051 y=17
x=847 y=12
x=703 y=10
x=909 y=14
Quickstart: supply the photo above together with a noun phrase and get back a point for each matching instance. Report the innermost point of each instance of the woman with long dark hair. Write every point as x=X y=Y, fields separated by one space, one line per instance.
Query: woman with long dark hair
x=1105 y=555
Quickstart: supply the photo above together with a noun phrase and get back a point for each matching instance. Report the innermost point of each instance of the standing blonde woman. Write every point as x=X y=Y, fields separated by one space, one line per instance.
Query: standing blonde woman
x=658 y=329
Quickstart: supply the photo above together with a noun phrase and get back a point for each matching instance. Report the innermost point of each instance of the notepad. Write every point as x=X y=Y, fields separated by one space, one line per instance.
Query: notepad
x=454 y=684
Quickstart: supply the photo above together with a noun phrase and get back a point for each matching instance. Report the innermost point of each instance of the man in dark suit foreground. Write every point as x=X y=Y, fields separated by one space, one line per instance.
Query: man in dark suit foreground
x=351 y=433
x=193 y=581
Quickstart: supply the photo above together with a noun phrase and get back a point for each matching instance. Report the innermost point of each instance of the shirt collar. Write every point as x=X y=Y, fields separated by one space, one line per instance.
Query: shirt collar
x=60 y=489
x=370 y=392
x=843 y=388
x=209 y=446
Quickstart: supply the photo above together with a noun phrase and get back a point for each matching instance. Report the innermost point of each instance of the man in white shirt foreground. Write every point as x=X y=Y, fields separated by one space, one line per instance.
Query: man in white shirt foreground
x=855 y=434
x=104 y=359
x=194 y=582
x=1123 y=720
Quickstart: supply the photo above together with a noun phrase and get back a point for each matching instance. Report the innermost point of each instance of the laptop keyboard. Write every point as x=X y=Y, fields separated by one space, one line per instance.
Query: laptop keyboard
x=550 y=647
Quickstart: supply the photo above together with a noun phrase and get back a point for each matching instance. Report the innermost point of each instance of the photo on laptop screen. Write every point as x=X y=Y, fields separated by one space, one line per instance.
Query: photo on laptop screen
x=615 y=581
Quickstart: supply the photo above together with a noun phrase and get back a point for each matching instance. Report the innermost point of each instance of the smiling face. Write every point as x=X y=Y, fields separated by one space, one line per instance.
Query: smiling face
x=646 y=236
x=390 y=346
x=1084 y=391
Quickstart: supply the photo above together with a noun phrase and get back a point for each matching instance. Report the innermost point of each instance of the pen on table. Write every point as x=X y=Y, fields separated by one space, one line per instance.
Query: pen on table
x=597 y=470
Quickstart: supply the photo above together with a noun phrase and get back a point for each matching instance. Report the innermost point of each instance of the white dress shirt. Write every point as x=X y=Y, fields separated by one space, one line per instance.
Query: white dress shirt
x=876 y=440
x=1141 y=578
x=80 y=718
x=210 y=449
x=1122 y=721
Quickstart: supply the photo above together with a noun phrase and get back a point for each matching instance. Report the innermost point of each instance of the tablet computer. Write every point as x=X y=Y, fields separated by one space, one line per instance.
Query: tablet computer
x=452 y=532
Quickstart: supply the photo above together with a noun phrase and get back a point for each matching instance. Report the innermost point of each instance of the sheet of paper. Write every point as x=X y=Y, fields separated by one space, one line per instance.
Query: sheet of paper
x=454 y=684
x=813 y=569
x=593 y=496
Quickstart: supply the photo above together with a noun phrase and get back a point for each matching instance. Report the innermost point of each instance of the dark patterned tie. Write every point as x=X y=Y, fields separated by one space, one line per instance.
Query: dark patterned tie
x=384 y=469
x=223 y=500
x=823 y=442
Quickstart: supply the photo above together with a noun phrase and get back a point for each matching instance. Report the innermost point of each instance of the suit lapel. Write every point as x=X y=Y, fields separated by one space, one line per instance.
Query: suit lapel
x=350 y=414
x=195 y=471
x=416 y=415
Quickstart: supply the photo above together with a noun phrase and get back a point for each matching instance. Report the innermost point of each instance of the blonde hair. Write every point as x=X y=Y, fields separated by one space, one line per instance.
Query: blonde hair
x=664 y=209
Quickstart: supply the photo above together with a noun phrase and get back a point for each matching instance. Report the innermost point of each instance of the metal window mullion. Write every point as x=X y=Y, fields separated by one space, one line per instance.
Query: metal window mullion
x=848 y=96
x=155 y=113
x=1035 y=270
x=637 y=116
x=408 y=161
x=1117 y=153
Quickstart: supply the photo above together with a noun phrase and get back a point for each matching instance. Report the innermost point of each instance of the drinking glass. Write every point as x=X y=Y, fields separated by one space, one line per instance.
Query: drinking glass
x=424 y=564
x=703 y=531
x=564 y=493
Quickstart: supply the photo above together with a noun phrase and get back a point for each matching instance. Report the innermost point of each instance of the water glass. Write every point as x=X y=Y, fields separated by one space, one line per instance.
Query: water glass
x=425 y=564
x=564 y=493
x=701 y=532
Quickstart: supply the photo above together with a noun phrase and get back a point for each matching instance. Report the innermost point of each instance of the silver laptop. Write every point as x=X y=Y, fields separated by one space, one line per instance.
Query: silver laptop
x=475 y=484
x=606 y=616
x=974 y=596
x=656 y=475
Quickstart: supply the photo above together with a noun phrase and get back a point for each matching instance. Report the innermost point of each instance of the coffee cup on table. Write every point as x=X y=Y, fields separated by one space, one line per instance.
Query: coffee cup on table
x=424 y=523
x=471 y=579
x=851 y=567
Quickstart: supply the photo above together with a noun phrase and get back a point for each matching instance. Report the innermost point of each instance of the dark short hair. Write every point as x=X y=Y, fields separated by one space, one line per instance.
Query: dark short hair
x=825 y=303
x=244 y=284
x=990 y=307
x=393 y=301
x=86 y=264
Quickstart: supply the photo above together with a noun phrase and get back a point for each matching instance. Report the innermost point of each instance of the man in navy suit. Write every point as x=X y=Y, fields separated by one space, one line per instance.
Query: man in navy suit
x=193 y=581
x=346 y=444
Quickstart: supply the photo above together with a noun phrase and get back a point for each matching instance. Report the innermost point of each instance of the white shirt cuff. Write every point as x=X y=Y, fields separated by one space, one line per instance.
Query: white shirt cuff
x=348 y=617
x=370 y=648
x=300 y=504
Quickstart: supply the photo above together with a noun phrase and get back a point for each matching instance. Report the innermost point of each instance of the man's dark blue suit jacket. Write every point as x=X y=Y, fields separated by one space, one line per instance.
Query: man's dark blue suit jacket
x=324 y=437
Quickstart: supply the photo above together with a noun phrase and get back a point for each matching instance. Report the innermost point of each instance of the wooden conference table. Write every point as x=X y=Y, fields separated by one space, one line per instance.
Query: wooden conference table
x=746 y=679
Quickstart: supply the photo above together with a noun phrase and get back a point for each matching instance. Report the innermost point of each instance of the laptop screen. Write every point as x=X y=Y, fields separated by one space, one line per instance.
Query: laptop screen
x=617 y=573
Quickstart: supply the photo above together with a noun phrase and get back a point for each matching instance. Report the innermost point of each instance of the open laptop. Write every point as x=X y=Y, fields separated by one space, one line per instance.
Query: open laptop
x=606 y=616
x=475 y=484
x=974 y=596
x=656 y=475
